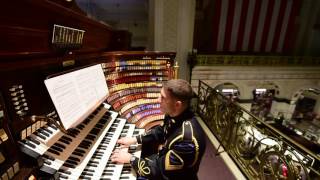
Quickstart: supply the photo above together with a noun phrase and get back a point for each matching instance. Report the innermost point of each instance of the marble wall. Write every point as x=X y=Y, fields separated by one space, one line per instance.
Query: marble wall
x=288 y=81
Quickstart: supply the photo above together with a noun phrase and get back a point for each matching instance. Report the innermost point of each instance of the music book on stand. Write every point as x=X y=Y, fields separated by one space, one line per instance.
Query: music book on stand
x=77 y=94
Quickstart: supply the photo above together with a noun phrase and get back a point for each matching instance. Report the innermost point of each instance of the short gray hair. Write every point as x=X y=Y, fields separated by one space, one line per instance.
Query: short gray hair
x=179 y=89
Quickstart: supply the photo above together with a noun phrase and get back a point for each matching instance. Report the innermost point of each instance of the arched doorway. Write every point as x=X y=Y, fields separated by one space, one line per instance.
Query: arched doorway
x=305 y=119
x=229 y=90
x=263 y=96
x=306 y=105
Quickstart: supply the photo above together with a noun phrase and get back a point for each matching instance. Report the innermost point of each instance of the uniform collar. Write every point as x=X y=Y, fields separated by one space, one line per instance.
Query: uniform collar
x=178 y=120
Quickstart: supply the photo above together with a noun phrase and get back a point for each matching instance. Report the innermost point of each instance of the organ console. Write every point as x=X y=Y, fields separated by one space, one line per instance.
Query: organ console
x=47 y=37
x=134 y=80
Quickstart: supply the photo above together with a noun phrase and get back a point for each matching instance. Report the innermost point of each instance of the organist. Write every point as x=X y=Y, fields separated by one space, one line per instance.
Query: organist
x=182 y=139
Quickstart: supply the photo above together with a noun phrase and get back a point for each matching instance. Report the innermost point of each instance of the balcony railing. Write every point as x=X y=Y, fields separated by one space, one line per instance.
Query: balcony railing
x=260 y=150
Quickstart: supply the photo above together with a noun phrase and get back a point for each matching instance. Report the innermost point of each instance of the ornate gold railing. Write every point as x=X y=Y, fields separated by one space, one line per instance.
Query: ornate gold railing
x=260 y=150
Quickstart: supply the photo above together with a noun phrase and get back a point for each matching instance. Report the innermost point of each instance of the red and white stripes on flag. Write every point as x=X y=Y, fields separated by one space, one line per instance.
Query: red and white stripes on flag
x=258 y=26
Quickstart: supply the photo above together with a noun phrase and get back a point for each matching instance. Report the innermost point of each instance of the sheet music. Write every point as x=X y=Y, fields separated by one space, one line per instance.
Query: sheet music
x=76 y=94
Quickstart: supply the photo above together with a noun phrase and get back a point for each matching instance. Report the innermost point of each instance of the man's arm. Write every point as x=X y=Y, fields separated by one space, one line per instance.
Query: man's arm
x=154 y=135
x=181 y=155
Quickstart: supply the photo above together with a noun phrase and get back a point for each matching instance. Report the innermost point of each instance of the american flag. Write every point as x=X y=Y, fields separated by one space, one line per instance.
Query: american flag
x=258 y=26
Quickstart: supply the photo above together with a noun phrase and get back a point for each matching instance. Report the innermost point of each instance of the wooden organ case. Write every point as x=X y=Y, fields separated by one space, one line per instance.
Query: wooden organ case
x=43 y=37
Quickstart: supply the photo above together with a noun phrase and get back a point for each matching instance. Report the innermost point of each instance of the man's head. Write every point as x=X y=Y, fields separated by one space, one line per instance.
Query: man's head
x=175 y=96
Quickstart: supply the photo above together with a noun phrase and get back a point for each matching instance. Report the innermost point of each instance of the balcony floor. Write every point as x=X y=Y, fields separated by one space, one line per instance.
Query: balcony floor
x=213 y=167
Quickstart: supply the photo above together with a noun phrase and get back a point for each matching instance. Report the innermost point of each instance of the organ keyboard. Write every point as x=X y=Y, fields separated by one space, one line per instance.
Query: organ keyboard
x=84 y=151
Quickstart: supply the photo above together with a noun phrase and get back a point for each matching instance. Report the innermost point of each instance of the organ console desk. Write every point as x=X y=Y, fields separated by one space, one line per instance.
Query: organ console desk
x=40 y=38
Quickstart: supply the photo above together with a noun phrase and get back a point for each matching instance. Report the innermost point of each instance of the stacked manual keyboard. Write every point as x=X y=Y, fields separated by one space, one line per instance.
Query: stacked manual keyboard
x=84 y=151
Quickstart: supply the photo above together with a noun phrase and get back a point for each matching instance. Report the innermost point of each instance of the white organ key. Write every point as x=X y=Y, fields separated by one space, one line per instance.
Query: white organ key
x=39 y=144
x=76 y=172
x=47 y=136
x=131 y=175
x=60 y=159
x=128 y=173
x=117 y=168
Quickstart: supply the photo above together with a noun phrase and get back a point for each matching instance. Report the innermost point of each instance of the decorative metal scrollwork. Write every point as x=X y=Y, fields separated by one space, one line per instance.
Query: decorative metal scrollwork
x=259 y=150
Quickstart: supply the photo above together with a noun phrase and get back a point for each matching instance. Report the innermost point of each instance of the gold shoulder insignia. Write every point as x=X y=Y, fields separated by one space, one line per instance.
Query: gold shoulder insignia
x=187 y=135
x=173 y=161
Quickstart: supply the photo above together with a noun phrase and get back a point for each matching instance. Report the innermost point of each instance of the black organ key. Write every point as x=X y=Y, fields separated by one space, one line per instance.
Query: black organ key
x=74 y=158
x=53 y=127
x=44 y=132
x=79 y=150
x=66 y=138
x=75 y=131
x=60 y=145
x=64 y=141
x=86 y=121
x=47 y=162
x=92 y=164
x=80 y=126
x=91 y=137
x=65 y=171
x=71 y=134
x=63 y=176
x=88 y=170
x=102 y=148
x=40 y=135
x=97 y=157
x=69 y=165
x=53 y=151
x=109 y=135
x=84 y=146
x=108 y=113
x=100 y=126
x=86 y=142
x=92 y=115
x=56 y=148
x=48 y=157
x=33 y=140
x=87 y=174
x=84 y=177
x=77 y=153
x=95 y=131
x=29 y=144
x=47 y=130
x=98 y=153
x=71 y=162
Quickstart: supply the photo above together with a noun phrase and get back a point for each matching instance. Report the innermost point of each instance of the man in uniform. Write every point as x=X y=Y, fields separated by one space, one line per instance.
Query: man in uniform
x=182 y=139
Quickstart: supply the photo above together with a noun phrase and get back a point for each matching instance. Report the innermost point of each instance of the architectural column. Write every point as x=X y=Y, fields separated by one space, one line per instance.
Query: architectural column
x=172 y=24
x=186 y=20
